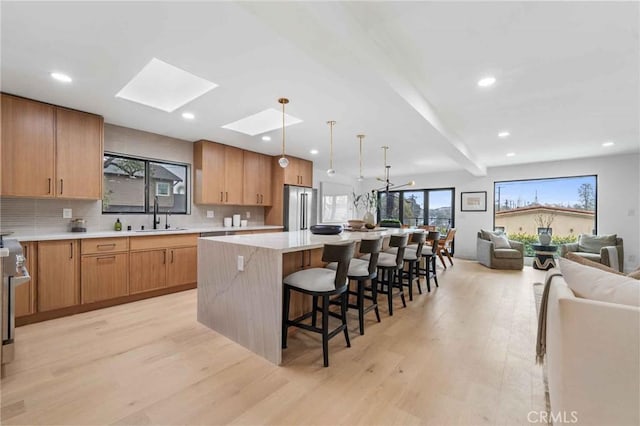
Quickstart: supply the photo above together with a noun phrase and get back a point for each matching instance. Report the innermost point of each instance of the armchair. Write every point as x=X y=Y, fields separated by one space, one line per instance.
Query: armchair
x=503 y=258
x=605 y=249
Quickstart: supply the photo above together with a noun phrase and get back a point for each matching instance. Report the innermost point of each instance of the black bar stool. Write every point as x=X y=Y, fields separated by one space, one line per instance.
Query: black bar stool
x=429 y=254
x=390 y=269
x=362 y=271
x=324 y=283
x=412 y=257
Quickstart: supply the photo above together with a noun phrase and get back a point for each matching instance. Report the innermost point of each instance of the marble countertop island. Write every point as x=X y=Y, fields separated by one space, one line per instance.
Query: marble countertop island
x=240 y=282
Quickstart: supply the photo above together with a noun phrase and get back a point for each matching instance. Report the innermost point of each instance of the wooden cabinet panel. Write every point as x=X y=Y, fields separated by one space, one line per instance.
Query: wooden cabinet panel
x=233 y=171
x=147 y=270
x=305 y=169
x=256 y=179
x=27 y=144
x=156 y=241
x=104 y=277
x=208 y=172
x=104 y=245
x=265 y=180
x=183 y=266
x=297 y=261
x=25 y=293
x=291 y=172
x=78 y=154
x=58 y=274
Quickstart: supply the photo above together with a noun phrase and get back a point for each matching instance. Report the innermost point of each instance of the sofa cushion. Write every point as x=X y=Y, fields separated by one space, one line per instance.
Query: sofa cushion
x=583 y=260
x=594 y=284
x=500 y=241
x=591 y=256
x=593 y=243
x=507 y=253
x=486 y=235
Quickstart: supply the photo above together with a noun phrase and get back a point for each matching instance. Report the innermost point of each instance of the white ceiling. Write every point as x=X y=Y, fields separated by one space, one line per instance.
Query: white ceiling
x=403 y=73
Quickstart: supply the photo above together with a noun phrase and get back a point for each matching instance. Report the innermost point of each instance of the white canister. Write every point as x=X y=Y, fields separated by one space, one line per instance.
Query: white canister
x=227 y=222
x=236 y=220
x=244 y=222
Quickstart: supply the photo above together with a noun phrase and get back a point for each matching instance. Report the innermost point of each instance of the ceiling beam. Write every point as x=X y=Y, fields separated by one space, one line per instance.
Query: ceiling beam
x=331 y=34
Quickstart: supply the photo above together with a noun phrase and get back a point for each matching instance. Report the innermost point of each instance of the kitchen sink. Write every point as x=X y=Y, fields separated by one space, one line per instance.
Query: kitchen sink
x=162 y=230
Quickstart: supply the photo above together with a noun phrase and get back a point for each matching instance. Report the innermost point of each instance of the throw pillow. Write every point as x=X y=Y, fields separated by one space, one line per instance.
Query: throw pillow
x=594 y=284
x=587 y=262
x=500 y=242
x=593 y=243
x=486 y=235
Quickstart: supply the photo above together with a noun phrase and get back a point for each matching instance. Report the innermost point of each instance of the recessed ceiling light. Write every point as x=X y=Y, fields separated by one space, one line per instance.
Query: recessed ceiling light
x=504 y=134
x=608 y=144
x=262 y=122
x=61 y=77
x=314 y=151
x=266 y=138
x=511 y=154
x=487 y=81
x=164 y=86
x=188 y=115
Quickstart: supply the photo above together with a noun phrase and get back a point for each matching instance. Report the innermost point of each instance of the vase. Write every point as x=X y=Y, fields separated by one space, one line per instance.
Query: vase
x=369 y=218
x=545 y=239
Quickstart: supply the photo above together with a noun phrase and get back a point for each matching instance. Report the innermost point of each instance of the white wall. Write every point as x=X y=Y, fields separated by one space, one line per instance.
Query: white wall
x=618 y=197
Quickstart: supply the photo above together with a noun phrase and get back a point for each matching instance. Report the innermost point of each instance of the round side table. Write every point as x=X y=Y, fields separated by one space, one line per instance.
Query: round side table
x=544 y=256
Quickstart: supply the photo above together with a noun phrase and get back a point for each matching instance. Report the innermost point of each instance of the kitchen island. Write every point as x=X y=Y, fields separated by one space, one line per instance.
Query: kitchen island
x=240 y=283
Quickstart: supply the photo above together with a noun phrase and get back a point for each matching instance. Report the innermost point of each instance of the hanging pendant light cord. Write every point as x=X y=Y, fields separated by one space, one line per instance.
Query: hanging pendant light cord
x=331 y=123
x=283 y=129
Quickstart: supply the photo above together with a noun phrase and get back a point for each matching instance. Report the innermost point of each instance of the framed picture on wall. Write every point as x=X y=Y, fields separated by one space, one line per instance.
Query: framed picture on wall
x=473 y=201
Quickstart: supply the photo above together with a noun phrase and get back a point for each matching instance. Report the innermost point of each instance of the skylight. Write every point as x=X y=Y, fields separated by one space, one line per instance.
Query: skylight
x=264 y=121
x=165 y=87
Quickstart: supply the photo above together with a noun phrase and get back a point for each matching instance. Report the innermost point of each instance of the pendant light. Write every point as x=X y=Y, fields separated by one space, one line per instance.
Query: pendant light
x=283 y=161
x=331 y=172
x=360 y=177
x=387 y=169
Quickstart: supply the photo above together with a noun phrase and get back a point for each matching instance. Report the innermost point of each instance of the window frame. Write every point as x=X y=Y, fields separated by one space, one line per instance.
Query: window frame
x=425 y=191
x=147 y=164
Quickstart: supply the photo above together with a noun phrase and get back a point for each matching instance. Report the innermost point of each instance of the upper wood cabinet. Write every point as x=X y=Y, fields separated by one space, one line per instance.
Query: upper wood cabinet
x=218 y=173
x=257 y=179
x=299 y=172
x=78 y=154
x=49 y=151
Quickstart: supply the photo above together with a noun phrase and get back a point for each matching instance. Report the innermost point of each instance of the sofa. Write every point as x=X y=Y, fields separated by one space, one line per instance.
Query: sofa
x=499 y=258
x=592 y=355
x=605 y=249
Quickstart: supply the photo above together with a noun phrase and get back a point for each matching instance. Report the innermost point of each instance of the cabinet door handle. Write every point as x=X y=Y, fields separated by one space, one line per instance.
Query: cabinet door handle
x=61 y=185
x=105 y=258
x=171 y=256
x=106 y=245
x=226 y=195
x=257 y=198
x=49 y=183
x=164 y=257
x=221 y=196
x=70 y=250
x=261 y=199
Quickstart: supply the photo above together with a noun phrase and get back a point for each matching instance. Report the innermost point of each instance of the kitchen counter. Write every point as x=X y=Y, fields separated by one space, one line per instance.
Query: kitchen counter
x=109 y=234
x=240 y=283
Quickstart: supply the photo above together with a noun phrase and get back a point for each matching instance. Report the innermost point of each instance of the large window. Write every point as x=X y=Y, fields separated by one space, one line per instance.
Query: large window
x=436 y=203
x=132 y=185
x=563 y=207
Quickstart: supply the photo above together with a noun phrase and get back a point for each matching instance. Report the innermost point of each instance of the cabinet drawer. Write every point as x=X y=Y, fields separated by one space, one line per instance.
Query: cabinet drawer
x=104 y=277
x=104 y=245
x=157 y=241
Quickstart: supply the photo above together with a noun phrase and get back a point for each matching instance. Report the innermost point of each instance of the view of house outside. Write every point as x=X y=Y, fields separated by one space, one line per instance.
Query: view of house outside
x=563 y=207
x=437 y=203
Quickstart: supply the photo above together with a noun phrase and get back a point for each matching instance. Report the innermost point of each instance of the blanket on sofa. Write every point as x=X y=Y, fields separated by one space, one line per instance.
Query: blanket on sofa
x=541 y=341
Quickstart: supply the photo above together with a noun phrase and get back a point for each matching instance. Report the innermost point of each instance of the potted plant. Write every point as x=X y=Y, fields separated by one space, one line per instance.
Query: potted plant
x=543 y=221
x=367 y=202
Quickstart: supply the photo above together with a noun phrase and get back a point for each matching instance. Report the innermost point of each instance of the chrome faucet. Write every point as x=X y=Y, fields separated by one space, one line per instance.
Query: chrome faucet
x=166 y=218
x=156 y=219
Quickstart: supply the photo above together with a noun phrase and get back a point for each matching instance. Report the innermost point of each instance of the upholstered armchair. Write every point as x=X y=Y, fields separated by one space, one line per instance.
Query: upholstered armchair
x=605 y=249
x=499 y=258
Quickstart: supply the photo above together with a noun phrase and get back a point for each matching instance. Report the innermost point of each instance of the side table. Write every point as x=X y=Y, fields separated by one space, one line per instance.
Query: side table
x=544 y=256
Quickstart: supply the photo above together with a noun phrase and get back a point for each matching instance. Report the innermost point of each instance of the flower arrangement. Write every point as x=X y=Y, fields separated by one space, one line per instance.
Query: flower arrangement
x=367 y=201
x=544 y=220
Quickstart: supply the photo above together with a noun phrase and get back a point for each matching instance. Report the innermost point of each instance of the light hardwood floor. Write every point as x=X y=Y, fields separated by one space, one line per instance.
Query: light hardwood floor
x=463 y=354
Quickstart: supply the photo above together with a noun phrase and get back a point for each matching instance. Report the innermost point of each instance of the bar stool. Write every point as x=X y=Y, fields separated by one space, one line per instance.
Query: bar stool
x=412 y=257
x=324 y=283
x=390 y=269
x=362 y=271
x=429 y=254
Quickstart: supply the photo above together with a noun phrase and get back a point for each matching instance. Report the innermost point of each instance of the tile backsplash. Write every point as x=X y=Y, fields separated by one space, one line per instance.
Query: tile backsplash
x=32 y=216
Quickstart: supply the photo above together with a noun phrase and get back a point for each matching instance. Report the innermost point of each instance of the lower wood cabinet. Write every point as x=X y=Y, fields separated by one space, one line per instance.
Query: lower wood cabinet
x=58 y=284
x=104 y=277
x=183 y=266
x=26 y=293
x=147 y=270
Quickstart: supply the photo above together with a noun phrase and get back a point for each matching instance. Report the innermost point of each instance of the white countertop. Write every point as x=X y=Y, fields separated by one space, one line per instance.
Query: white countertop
x=286 y=242
x=4 y=252
x=146 y=233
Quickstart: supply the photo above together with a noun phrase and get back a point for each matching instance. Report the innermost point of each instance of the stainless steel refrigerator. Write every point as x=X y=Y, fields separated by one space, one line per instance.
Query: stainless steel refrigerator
x=300 y=208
